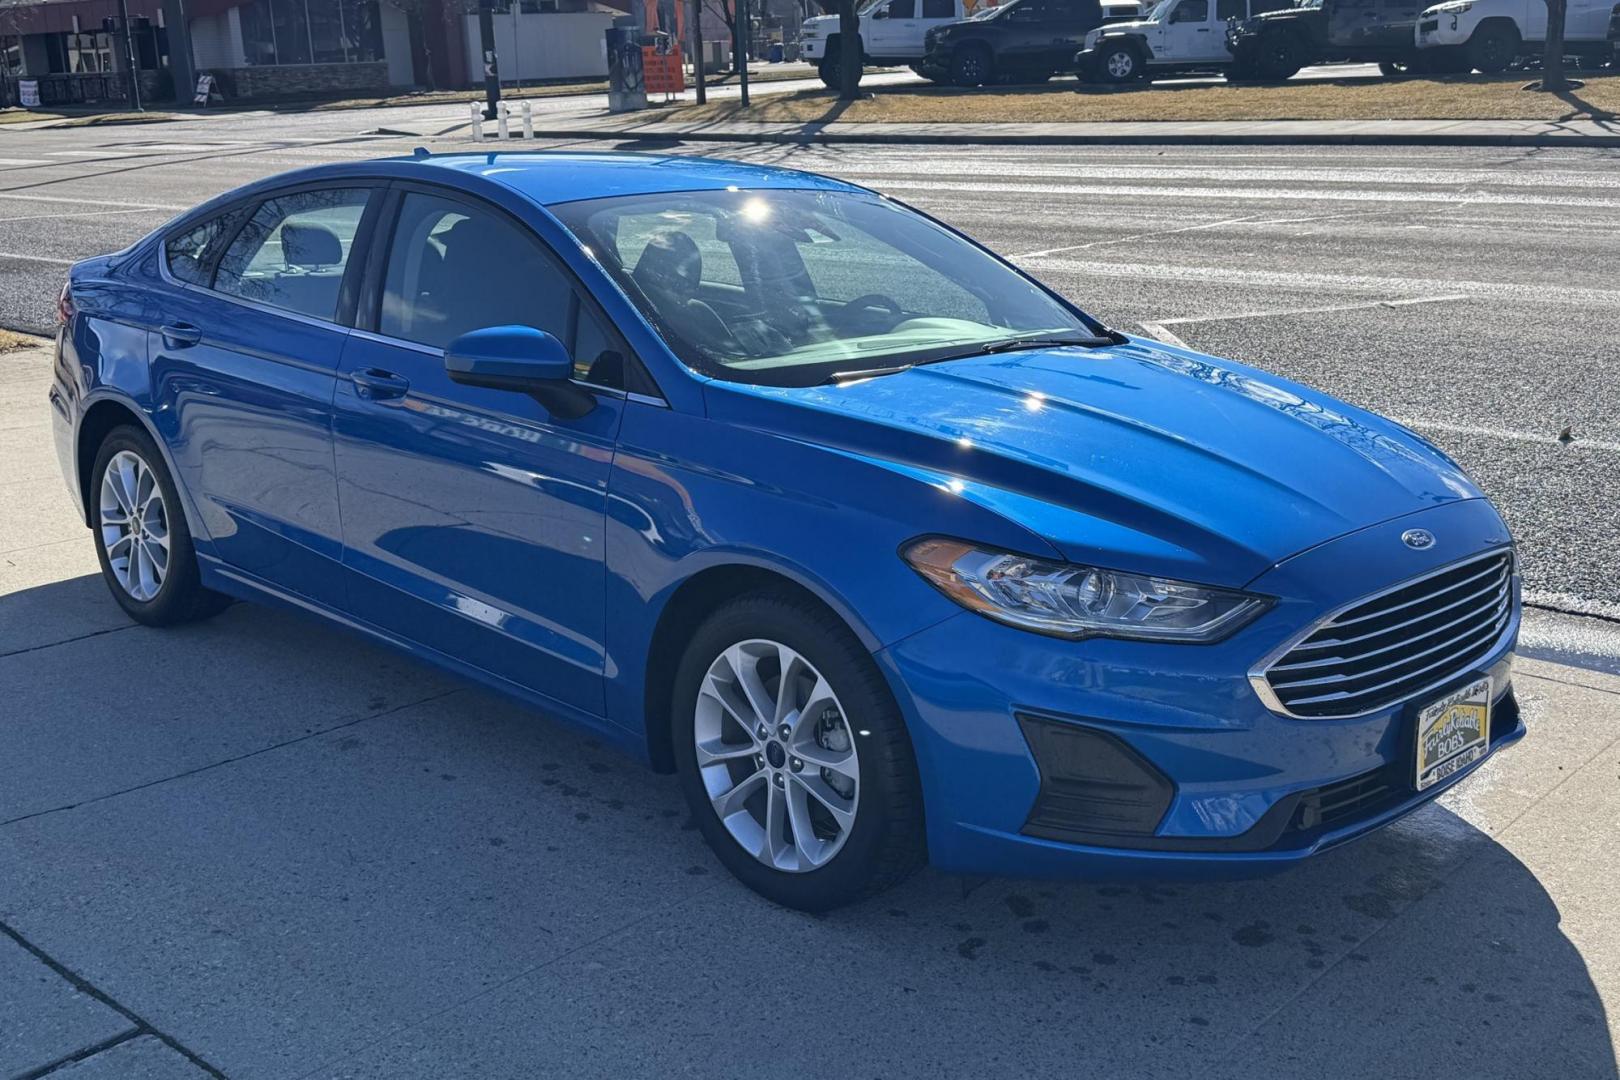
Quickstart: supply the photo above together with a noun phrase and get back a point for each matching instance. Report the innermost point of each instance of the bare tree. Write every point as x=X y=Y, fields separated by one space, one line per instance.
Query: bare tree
x=1552 y=60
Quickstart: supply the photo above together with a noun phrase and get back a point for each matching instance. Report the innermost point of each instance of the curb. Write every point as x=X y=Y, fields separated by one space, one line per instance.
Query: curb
x=803 y=138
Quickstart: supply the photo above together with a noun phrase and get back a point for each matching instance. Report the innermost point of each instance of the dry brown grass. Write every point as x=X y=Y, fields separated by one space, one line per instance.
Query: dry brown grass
x=10 y=340
x=1458 y=98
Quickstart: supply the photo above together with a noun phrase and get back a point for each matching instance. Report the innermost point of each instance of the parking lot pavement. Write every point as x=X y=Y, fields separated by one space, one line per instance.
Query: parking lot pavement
x=260 y=847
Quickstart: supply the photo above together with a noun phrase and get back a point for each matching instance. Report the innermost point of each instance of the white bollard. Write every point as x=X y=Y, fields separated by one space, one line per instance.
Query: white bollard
x=477 y=123
x=528 y=120
x=501 y=131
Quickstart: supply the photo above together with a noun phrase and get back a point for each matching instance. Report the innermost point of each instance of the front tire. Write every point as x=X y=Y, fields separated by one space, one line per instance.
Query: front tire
x=142 y=541
x=1118 y=64
x=972 y=66
x=1492 y=48
x=1279 y=57
x=793 y=756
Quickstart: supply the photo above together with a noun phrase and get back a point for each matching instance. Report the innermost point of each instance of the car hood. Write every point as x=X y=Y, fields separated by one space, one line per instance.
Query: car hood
x=1140 y=457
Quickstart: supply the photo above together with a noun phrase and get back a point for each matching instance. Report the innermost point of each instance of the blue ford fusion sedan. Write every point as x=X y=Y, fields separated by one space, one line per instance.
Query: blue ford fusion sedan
x=890 y=552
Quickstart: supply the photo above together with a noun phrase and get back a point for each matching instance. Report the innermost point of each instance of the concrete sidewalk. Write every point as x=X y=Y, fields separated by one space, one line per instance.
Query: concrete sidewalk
x=635 y=127
x=259 y=847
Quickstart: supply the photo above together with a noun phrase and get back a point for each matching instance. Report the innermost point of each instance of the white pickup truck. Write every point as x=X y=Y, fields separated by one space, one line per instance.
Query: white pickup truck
x=1491 y=34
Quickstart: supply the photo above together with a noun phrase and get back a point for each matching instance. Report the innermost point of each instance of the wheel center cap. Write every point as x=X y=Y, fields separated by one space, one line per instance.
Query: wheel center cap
x=775 y=754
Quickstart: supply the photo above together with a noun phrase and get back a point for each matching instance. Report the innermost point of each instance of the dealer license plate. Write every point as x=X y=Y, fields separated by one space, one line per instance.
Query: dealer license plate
x=1453 y=733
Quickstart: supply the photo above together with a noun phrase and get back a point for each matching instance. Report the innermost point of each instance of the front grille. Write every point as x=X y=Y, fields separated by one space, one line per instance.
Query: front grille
x=1398 y=643
x=1344 y=802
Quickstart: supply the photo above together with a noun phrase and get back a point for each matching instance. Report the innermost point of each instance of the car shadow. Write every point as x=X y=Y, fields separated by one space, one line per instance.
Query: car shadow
x=336 y=842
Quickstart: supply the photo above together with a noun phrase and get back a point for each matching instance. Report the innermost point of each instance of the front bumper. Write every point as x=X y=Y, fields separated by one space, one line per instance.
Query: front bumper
x=1251 y=791
x=1442 y=30
x=812 y=49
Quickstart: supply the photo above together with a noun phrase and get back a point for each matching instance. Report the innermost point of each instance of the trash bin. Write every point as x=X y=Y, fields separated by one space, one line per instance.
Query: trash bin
x=775 y=53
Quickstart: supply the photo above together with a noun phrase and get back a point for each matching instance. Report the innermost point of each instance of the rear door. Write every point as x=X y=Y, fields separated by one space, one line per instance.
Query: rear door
x=472 y=518
x=244 y=363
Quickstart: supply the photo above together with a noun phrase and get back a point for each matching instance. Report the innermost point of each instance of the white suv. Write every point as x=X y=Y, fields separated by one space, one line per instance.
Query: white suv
x=1490 y=34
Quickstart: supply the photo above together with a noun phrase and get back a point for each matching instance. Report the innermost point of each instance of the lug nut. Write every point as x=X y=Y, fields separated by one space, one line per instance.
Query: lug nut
x=759 y=761
x=796 y=765
x=783 y=732
x=777 y=777
x=763 y=731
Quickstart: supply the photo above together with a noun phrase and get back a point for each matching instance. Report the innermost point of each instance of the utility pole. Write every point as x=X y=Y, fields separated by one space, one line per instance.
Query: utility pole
x=697 y=50
x=740 y=50
x=486 y=41
x=129 y=55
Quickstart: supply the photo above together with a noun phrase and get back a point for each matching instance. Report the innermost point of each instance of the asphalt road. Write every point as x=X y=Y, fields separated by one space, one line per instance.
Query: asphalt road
x=257 y=847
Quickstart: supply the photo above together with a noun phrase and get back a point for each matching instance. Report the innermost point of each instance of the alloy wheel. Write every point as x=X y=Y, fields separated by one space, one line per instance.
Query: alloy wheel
x=1121 y=64
x=776 y=753
x=134 y=523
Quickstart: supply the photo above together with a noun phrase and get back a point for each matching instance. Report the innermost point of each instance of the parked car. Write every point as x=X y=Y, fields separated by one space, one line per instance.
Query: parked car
x=893 y=32
x=889 y=551
x=1178 y=37
x=1490 y=35
x=1274 y=45
x=1020 y=41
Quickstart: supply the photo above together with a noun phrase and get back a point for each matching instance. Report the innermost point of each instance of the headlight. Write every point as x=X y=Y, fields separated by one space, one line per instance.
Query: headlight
x=1091 y=38
x=1070 y=601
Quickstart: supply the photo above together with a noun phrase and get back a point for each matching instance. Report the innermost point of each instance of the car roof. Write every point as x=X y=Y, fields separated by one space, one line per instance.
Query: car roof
x=550 y=177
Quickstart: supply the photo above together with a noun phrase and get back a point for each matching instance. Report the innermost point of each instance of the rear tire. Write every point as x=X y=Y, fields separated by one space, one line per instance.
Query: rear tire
x=141 y=537
x=1492 y=49
x=767 y=782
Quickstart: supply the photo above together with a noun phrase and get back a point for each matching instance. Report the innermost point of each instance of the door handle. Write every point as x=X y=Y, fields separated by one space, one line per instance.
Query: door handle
x=181 y=335
x=376 y=384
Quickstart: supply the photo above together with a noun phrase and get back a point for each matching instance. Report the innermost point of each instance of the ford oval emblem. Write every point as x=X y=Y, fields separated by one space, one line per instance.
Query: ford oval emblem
x=1418 y=539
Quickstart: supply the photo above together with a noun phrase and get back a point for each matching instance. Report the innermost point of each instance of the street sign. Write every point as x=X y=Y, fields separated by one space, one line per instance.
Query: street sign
x=205 y=89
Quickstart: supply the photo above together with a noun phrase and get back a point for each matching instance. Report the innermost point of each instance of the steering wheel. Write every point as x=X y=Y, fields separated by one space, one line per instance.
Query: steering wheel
x=859 y=313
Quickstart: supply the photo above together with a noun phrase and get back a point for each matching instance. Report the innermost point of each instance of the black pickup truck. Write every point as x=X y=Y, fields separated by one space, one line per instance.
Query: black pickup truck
x=1276 y=44
x=1020 y=41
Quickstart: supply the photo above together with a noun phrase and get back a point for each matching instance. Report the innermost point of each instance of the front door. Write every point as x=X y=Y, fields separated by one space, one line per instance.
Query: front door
x=1192 y=35
x=472 y=518
x=244 y=363
x=894 y=31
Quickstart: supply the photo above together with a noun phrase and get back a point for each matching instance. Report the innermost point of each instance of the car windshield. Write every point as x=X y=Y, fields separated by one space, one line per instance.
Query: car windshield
x=1161 y=11
x=990 y=12
x=790 y=287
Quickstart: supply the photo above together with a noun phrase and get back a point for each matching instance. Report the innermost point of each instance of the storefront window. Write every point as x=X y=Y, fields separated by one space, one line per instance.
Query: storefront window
x=10 y=55
x=88 y=54
x=311 y=31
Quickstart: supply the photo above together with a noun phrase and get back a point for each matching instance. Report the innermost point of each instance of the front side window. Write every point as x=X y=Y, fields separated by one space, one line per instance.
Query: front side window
x=454 y=267
x=1191 y=11
x=902 y=9
x=292 y=252
x=939 y=9
x=794 y=287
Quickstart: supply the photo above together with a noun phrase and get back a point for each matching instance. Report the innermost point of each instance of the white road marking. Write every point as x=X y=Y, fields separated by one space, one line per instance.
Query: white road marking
x=1306 y=311
x=1264 y=194
x=56 y=215
x=1133 y=236
x=1159 y=333
x=1302 y=281
x=12 y=163
x=93 y=200
x=1510 y=435
x=14 y=256
x=92 y=153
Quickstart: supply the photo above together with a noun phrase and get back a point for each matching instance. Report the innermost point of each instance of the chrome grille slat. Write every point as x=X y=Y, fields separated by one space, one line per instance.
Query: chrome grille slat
x=1357 y=661
x=1334 y=643
x=1472 y=618
x=1472 y=614
x=1344 y=695
x=1348 y=619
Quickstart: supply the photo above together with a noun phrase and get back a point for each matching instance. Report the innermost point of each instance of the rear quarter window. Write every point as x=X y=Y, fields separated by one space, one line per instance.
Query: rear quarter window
x=190 y=254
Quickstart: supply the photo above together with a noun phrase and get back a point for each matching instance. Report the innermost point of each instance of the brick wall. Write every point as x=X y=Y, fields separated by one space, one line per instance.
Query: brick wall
x=301 y=80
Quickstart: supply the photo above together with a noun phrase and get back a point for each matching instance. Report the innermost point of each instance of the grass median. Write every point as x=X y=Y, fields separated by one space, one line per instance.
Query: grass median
x=1455 y=98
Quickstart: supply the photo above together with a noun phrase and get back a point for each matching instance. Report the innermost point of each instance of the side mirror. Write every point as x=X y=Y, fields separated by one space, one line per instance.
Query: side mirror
x=519 y=358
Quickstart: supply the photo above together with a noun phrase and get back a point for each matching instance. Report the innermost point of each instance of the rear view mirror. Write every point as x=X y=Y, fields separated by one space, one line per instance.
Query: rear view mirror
x=519 y=358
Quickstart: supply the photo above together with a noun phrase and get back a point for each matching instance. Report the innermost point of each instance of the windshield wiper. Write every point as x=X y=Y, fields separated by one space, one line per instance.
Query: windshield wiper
x=868 y=373
x=1047 y=341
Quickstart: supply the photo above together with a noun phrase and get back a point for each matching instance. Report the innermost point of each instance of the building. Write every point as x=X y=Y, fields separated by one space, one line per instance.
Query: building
x=78 y=52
